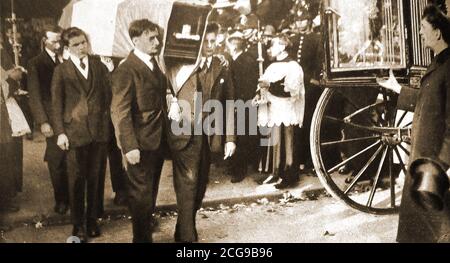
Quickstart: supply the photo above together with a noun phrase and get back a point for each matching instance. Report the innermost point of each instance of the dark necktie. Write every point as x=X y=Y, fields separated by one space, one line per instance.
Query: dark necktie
x=57 y=60
x=82 y=65
x=155 y=65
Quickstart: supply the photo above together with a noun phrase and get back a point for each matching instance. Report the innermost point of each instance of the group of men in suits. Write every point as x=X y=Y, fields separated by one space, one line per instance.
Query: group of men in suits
x=143 y=129
x=74 y=101
x=70 y=100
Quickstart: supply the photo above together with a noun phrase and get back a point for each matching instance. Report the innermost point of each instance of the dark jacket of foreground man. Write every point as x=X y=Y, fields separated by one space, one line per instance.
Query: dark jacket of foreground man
x=430 y=141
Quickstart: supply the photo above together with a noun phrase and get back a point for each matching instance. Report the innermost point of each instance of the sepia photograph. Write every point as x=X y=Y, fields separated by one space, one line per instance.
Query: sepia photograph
x=225 y=121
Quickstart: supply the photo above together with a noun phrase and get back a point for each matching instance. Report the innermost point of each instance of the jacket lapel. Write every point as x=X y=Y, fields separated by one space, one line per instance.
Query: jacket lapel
x=72 y=74
x=433 y=66
x=216 y=69
x=437 y=61
x=144 y=68
x=47 y=60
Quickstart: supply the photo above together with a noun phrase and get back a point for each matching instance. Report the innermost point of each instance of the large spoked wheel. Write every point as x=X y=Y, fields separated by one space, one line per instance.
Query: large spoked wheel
x=359 y=145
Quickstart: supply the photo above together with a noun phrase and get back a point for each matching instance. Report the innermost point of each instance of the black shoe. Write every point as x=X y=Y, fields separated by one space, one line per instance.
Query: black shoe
x=80 y=232
x=93 y=229
x=285 y=184
x=61 y=208
x=120 y=199
x=237 y=178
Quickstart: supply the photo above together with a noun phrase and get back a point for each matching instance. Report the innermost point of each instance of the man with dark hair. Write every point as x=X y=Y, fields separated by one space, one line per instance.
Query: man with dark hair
x=40 y=73
x=424 y=217
x=139 y=114
x=191 y=152
x=80 y=108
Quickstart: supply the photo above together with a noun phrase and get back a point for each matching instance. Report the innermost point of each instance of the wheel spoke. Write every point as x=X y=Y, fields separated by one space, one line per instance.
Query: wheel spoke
x=350 y=140
x=404 y=149
x=392 y=179
x=408 y=124
x=362 y=110
x=352 y=157
x=361 y=172
x=403 y=166
x=377 y=177
x=353 y=104
x=401 y=118
x=377 y=129
x=349 y=123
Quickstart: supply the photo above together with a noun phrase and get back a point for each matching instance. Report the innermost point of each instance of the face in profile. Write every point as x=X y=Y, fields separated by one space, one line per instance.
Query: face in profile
x=148 y=42
x=209 y=44
x=428 y=33
x=52 y=41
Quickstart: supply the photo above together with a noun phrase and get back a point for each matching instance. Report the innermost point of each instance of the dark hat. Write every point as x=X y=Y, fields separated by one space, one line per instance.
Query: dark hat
x=306 y=9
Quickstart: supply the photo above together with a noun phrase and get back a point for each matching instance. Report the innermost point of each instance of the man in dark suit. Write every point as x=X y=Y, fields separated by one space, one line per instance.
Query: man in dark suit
x=210 y=83
x=245 y=74
x=40 y=74
x=139 y=114
x=80 y=104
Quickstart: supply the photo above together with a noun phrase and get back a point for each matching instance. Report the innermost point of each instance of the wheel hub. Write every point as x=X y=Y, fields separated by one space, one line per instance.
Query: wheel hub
x=394 y=139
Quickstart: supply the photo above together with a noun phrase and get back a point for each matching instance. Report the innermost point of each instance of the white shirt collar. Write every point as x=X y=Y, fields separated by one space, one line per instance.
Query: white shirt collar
x=52 y=55
x=146 y=58
x=76 y=61
x=236 y=55
x=282 y=56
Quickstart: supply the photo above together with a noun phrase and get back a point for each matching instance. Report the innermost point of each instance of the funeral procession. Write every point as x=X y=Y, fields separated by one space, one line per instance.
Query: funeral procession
x=225 y=121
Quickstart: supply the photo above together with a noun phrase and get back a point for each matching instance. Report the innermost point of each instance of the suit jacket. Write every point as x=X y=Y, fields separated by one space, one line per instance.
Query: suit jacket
x=245 y=74
x=219 y=87
x=80 y=110
x=430 y=142
x=40 y=74
x=138 y=108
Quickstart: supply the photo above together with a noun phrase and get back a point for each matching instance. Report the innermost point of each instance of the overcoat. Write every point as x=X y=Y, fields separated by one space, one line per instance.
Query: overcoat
x=430 y=141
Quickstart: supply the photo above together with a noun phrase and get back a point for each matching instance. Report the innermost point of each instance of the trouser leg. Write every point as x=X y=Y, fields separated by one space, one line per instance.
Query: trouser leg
x=191 y=167
x=142 y=188
x=56 y=163
x=76 y=171
x=95 y=173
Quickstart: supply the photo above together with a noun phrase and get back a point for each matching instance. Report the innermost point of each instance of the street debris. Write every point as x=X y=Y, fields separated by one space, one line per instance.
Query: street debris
x=263 y=201
x=38 y=225
x=328 y=234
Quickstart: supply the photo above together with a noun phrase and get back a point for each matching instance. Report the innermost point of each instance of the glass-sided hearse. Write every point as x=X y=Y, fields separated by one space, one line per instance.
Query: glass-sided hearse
x=360 y=139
